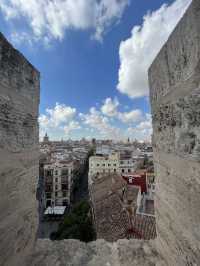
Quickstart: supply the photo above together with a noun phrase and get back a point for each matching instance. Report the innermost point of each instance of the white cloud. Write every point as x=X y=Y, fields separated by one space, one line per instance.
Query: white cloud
x=73 y=125
x=110 y=109
x=22 y=37
x=107 y=13
x=146 y=124
x=137 y=52
x=58 y=115
x=110 y=106
x=131 y=117
x=61 y=121
x=97 y=121
x=143 y=130
x=58 y=121
x=49 y=19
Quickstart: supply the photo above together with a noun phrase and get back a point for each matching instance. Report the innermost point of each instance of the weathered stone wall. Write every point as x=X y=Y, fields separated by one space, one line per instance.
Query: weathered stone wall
x=175 y=99
x=98 y=253
x=19 y=100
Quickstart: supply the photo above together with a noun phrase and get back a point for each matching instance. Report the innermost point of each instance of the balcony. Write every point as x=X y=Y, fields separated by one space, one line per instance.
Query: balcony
x=48 y=188
x=48 y=195
x=48 y=180
x=64 y=187
x=65 y=173
x=64 y=180
x=48 y=173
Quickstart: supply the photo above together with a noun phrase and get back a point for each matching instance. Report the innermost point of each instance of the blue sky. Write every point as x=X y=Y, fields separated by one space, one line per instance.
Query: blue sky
x=93 y=58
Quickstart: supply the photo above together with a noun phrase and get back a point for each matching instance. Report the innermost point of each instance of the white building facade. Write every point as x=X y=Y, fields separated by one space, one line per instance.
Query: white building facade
x=103 y=165
x=113 y=163
x=58 y=178
x=127 y=165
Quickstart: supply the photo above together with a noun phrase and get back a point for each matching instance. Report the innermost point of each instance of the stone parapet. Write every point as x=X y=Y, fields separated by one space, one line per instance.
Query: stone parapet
x=174 y=79
x=19 y=154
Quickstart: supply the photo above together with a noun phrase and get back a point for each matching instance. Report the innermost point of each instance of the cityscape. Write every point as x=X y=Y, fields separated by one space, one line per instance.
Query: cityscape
x=115 y=179
x=99 y=133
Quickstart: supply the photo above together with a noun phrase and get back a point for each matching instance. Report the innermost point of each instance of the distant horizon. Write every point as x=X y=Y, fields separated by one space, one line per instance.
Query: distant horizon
x=96 y=139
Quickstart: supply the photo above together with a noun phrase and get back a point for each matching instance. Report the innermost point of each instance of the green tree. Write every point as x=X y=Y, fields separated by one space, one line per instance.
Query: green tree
x=77 y=225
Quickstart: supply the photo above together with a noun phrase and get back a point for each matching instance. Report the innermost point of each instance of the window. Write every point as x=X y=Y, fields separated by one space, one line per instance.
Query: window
x=64 y=186
x=98 y=164
x=114 y=164
x=48 y=203
x=65 y=203
x=64 y=171
x=103 y=164
x=56 y=179
x=129 y=170
x=64 y=194
x=109 y=164
x=56 y=194
x=48 y=188
x=56 y=187
x=49 y=172
x=56 y=172
x=115 y=170
x=122 y=170
x=48 y=195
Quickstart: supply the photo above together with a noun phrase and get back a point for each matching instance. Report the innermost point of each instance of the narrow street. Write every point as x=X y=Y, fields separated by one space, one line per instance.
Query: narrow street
x=81 y=187
x=80 y=192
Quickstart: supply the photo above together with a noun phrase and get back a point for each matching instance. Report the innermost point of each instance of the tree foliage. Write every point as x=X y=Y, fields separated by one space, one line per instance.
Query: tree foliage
x=77 y=224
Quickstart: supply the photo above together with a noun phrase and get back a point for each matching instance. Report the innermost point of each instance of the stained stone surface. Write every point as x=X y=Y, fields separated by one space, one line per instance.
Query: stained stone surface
x=19 y=99
x=175 y=100
x=175 y=88
x=98 y=253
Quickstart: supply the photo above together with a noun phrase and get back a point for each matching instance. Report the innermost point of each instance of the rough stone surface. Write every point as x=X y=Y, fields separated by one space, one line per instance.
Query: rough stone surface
x=175 y=99
x=19 y=99
x=98 y=253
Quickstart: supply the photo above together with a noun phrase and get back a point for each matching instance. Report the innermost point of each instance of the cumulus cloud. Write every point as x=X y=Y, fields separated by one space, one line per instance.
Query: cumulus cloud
x=137 y=52
x=62 y=121
x=107 y=13
x=110 y=109
x=73 y=125
x=110 y=106
x=143 y=130
x=58 y=121
x=131 y=117
x=49 y=19
x=56 y=116
x=99 y=122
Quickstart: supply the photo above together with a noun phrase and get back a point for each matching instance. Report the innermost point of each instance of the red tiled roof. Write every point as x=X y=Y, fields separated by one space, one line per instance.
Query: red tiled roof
x=137 y=180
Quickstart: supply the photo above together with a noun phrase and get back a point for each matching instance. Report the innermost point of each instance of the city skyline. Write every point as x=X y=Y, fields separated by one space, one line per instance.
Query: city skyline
x=89 y=85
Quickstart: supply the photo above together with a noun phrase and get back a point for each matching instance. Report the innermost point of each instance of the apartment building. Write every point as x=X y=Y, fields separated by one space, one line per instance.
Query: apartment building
x=103 y=165
x=112 y=163
x=127 y=164
x=58 y=181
